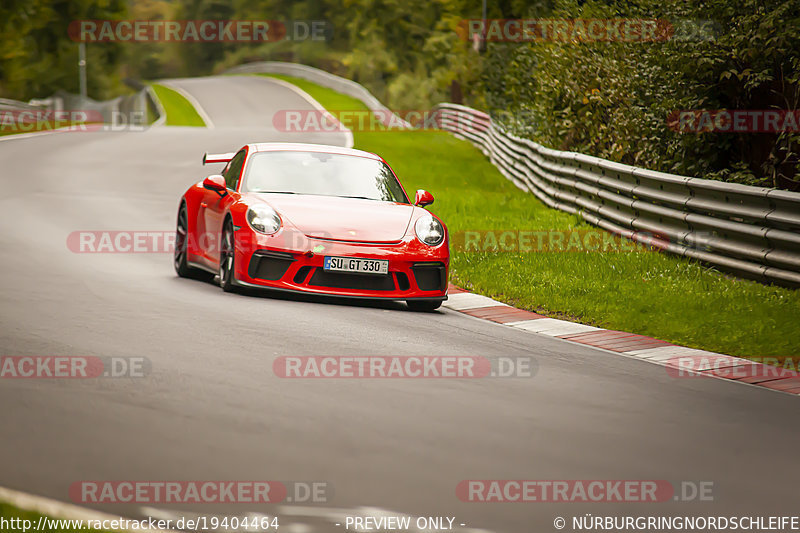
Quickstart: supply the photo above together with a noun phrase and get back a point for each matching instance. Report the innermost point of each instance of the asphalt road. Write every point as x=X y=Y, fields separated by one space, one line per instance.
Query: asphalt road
x=213 y=409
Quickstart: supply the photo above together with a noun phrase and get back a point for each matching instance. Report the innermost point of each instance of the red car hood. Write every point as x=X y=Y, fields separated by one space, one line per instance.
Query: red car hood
x=344 y=219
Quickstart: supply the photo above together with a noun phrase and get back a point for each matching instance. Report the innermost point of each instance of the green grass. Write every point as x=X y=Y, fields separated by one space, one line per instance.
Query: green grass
x=45 y=126
x=10 y=512
x=34 y=129
x=647 y=292
x=179 y=111
x=330 y=99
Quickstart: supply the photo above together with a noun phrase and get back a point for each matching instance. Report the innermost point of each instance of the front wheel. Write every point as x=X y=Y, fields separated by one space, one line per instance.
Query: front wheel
x=179 y=259
x=423 y=305
x=226 y=258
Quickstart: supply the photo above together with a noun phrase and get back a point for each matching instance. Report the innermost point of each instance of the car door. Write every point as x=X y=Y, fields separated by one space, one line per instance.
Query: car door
x=215 y=206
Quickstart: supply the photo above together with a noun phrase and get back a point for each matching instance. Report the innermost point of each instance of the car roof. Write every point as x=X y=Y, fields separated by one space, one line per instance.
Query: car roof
x=304 y=147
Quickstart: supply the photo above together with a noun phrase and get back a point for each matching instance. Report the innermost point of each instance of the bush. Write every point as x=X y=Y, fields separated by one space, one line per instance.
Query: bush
x=613 y=99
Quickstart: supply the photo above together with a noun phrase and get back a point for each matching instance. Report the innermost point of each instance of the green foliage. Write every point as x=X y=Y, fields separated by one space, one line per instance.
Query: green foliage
x=406 y=52
x=151 y=61
x=608 y=99
x=612 y=99
x=37 y=57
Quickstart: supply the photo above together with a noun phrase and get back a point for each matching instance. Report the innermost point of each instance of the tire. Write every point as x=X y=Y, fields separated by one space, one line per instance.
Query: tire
x=423 y=305
x=227 y=258
x=179 y=260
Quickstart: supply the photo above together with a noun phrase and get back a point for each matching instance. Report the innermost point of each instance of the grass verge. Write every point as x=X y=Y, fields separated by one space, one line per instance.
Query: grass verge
x=178 y=109
x=644 y=292
x=20 y=520
x=47 y=126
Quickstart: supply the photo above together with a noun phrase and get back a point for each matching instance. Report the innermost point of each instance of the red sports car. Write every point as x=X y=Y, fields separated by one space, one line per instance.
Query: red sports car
x=314 y=219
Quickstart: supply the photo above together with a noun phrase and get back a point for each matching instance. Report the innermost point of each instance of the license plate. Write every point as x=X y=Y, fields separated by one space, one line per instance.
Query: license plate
x=356 y=265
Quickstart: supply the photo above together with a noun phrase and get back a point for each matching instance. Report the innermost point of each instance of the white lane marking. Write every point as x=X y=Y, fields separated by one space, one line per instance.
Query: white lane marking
x=709 y=360
x=192 y=100
x=316 y=105
x=661 y=351
x=664 y=358
x=55 y=508
x=727 y=362
x=552 y=327
x=461 y=301
x=297 y=527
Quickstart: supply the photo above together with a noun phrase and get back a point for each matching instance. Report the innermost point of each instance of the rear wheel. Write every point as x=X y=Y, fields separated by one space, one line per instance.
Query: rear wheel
x=423 y=305
x=179 y=258
x=226 y=258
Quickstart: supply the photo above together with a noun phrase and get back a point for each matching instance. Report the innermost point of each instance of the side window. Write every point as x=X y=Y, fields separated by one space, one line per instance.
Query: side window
x=234 y=169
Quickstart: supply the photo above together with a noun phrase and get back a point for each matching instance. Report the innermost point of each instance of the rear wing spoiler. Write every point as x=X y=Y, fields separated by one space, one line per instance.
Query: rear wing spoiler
x=217 y=158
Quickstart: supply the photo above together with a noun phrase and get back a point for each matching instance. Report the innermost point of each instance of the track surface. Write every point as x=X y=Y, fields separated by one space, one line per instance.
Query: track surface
x=212 y=408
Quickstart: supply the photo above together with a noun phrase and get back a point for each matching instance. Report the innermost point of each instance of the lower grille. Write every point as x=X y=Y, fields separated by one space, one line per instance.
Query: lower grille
x=402 y=281
x=335 y=280
x=270 y=266
x=301 y=274
x=429 y=276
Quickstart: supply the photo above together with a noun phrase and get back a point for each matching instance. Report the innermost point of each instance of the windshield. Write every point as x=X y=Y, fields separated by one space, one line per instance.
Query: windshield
x=322 y=174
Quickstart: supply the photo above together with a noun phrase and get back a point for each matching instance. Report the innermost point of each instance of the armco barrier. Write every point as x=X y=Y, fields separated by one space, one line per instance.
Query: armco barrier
x=751 y=231
x=143 y=99
x=152 y=103
x=16 y=105
x=323 y=78
x=131 y=103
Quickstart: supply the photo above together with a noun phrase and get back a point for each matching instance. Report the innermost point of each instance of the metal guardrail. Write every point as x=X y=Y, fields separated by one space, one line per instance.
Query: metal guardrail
x=750 y=231
x=139 y=102
x=15 y=105
x=155 y=106
x=151 y=101
x=122 y=105
x=325 y=79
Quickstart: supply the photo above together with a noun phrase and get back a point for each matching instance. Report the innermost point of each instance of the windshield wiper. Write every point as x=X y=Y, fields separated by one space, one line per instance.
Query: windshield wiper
x=359 y=197
x=278 y=192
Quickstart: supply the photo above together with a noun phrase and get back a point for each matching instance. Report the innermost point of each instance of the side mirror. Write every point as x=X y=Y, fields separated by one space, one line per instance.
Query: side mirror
x=423 y=198
x=216 y=183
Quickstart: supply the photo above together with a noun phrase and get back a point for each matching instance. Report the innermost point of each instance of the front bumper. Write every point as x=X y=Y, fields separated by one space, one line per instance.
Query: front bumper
x=416 y=271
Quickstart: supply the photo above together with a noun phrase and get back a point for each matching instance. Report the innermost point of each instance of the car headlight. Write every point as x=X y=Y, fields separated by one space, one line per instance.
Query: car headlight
x=263 y=219
x=429 y=230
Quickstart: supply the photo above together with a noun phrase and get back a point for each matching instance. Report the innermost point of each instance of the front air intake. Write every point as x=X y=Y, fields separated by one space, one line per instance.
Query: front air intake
x=269 y=266
x=430 y=276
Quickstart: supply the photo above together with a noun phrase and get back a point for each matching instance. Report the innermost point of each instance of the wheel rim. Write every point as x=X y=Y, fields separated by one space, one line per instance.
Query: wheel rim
x=226 y=257
x=180 y=238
